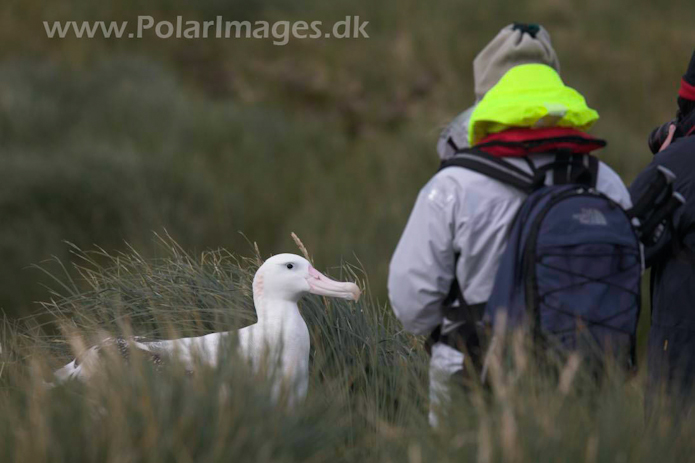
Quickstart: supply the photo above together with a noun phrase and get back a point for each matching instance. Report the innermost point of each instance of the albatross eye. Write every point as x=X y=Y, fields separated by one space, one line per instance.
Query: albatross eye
x=290 y=266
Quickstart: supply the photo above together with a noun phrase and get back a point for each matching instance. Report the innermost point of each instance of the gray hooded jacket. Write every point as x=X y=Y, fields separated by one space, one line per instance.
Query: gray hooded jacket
x=463 y=212
x=460 y=211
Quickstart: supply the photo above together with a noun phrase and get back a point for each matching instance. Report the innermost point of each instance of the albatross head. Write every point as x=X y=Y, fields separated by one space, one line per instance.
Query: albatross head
x=289 y=277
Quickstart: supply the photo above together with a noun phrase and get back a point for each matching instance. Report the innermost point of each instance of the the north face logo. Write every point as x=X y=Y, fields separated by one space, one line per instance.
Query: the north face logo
x=589 y=216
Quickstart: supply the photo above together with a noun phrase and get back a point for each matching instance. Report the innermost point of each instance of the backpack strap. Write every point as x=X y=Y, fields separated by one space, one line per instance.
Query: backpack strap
x=662 y=185
x=466 y=337
x=571 y=168
x=664 y=213
x=568 y=169
x=494 y=167
x=507 y=173
x=464 y=312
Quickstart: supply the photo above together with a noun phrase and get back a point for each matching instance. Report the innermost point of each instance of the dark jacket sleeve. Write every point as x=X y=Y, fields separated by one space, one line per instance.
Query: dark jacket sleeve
x=680 y=159
x=639 y=188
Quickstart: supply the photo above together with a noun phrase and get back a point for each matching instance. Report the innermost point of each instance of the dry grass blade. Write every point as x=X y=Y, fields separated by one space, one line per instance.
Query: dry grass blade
x=367 y=389
x=569 y=372
x=301 y=247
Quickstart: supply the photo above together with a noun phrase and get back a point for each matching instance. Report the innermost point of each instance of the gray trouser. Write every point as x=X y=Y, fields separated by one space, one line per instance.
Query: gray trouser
x=445 y=361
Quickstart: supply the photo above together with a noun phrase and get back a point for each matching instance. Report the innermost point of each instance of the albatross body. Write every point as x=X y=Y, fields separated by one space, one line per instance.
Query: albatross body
x=280 y=337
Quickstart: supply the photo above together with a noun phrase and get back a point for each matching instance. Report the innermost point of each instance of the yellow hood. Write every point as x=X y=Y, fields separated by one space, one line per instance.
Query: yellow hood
x=533 y=96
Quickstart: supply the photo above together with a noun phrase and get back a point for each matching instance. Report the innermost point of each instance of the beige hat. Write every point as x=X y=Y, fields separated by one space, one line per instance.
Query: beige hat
x=514 y=45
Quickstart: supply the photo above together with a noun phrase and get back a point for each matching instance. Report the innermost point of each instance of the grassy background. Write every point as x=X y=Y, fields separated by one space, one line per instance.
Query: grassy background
x=104 y=141
x=367 y=397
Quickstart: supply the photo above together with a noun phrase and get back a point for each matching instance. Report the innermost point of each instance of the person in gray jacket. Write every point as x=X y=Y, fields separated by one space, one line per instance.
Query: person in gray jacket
x=458 y=228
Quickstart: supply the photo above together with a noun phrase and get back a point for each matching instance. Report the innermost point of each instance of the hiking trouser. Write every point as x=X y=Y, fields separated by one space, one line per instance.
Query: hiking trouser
x=670 y=365
x=445 y=362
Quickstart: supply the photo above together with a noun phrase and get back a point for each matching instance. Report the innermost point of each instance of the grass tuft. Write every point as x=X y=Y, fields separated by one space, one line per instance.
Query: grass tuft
x=367 y=397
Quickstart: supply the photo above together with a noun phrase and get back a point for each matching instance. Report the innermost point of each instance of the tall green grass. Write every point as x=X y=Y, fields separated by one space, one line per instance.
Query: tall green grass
x=367 y=397
x=103 y=141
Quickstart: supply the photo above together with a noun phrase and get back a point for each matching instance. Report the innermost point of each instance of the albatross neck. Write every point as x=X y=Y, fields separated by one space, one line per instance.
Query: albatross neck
x=274 y=309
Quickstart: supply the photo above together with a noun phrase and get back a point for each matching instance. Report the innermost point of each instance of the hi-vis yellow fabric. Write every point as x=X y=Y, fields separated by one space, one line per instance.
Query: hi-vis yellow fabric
x=530 y=95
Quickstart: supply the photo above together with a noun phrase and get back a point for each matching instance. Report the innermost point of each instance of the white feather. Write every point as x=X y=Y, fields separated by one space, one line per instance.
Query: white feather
x=280 y=336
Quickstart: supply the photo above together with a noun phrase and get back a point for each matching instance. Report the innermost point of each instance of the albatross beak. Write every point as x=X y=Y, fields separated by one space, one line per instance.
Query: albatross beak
x=322 y=285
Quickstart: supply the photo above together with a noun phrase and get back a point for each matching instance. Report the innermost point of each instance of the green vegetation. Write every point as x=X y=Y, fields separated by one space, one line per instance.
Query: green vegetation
x=105 y=141
x=367 y=398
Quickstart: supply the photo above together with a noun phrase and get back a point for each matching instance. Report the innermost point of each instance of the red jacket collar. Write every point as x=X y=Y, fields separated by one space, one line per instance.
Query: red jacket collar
x=519 y=142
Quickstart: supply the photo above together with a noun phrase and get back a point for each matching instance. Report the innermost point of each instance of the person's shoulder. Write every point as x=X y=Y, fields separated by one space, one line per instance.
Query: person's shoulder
x=468 y=180
x=679 y=153
x=679 y=158
x=444 y=189
x=684 y=143
x=608 y=175
x=612 y=185
x=467 y=191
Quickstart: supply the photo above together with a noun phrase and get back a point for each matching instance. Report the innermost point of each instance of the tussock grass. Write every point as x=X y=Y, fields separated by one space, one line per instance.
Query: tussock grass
x=103 y=141
x=362 y=364
x=367 y=397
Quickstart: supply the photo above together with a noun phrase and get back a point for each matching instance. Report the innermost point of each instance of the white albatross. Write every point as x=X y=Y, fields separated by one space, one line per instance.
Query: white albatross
x=280 y=335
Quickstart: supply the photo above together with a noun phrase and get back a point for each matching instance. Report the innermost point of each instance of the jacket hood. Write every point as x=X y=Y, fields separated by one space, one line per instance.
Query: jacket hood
x=514 y=45
x=455 y=135
x=532 y=96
